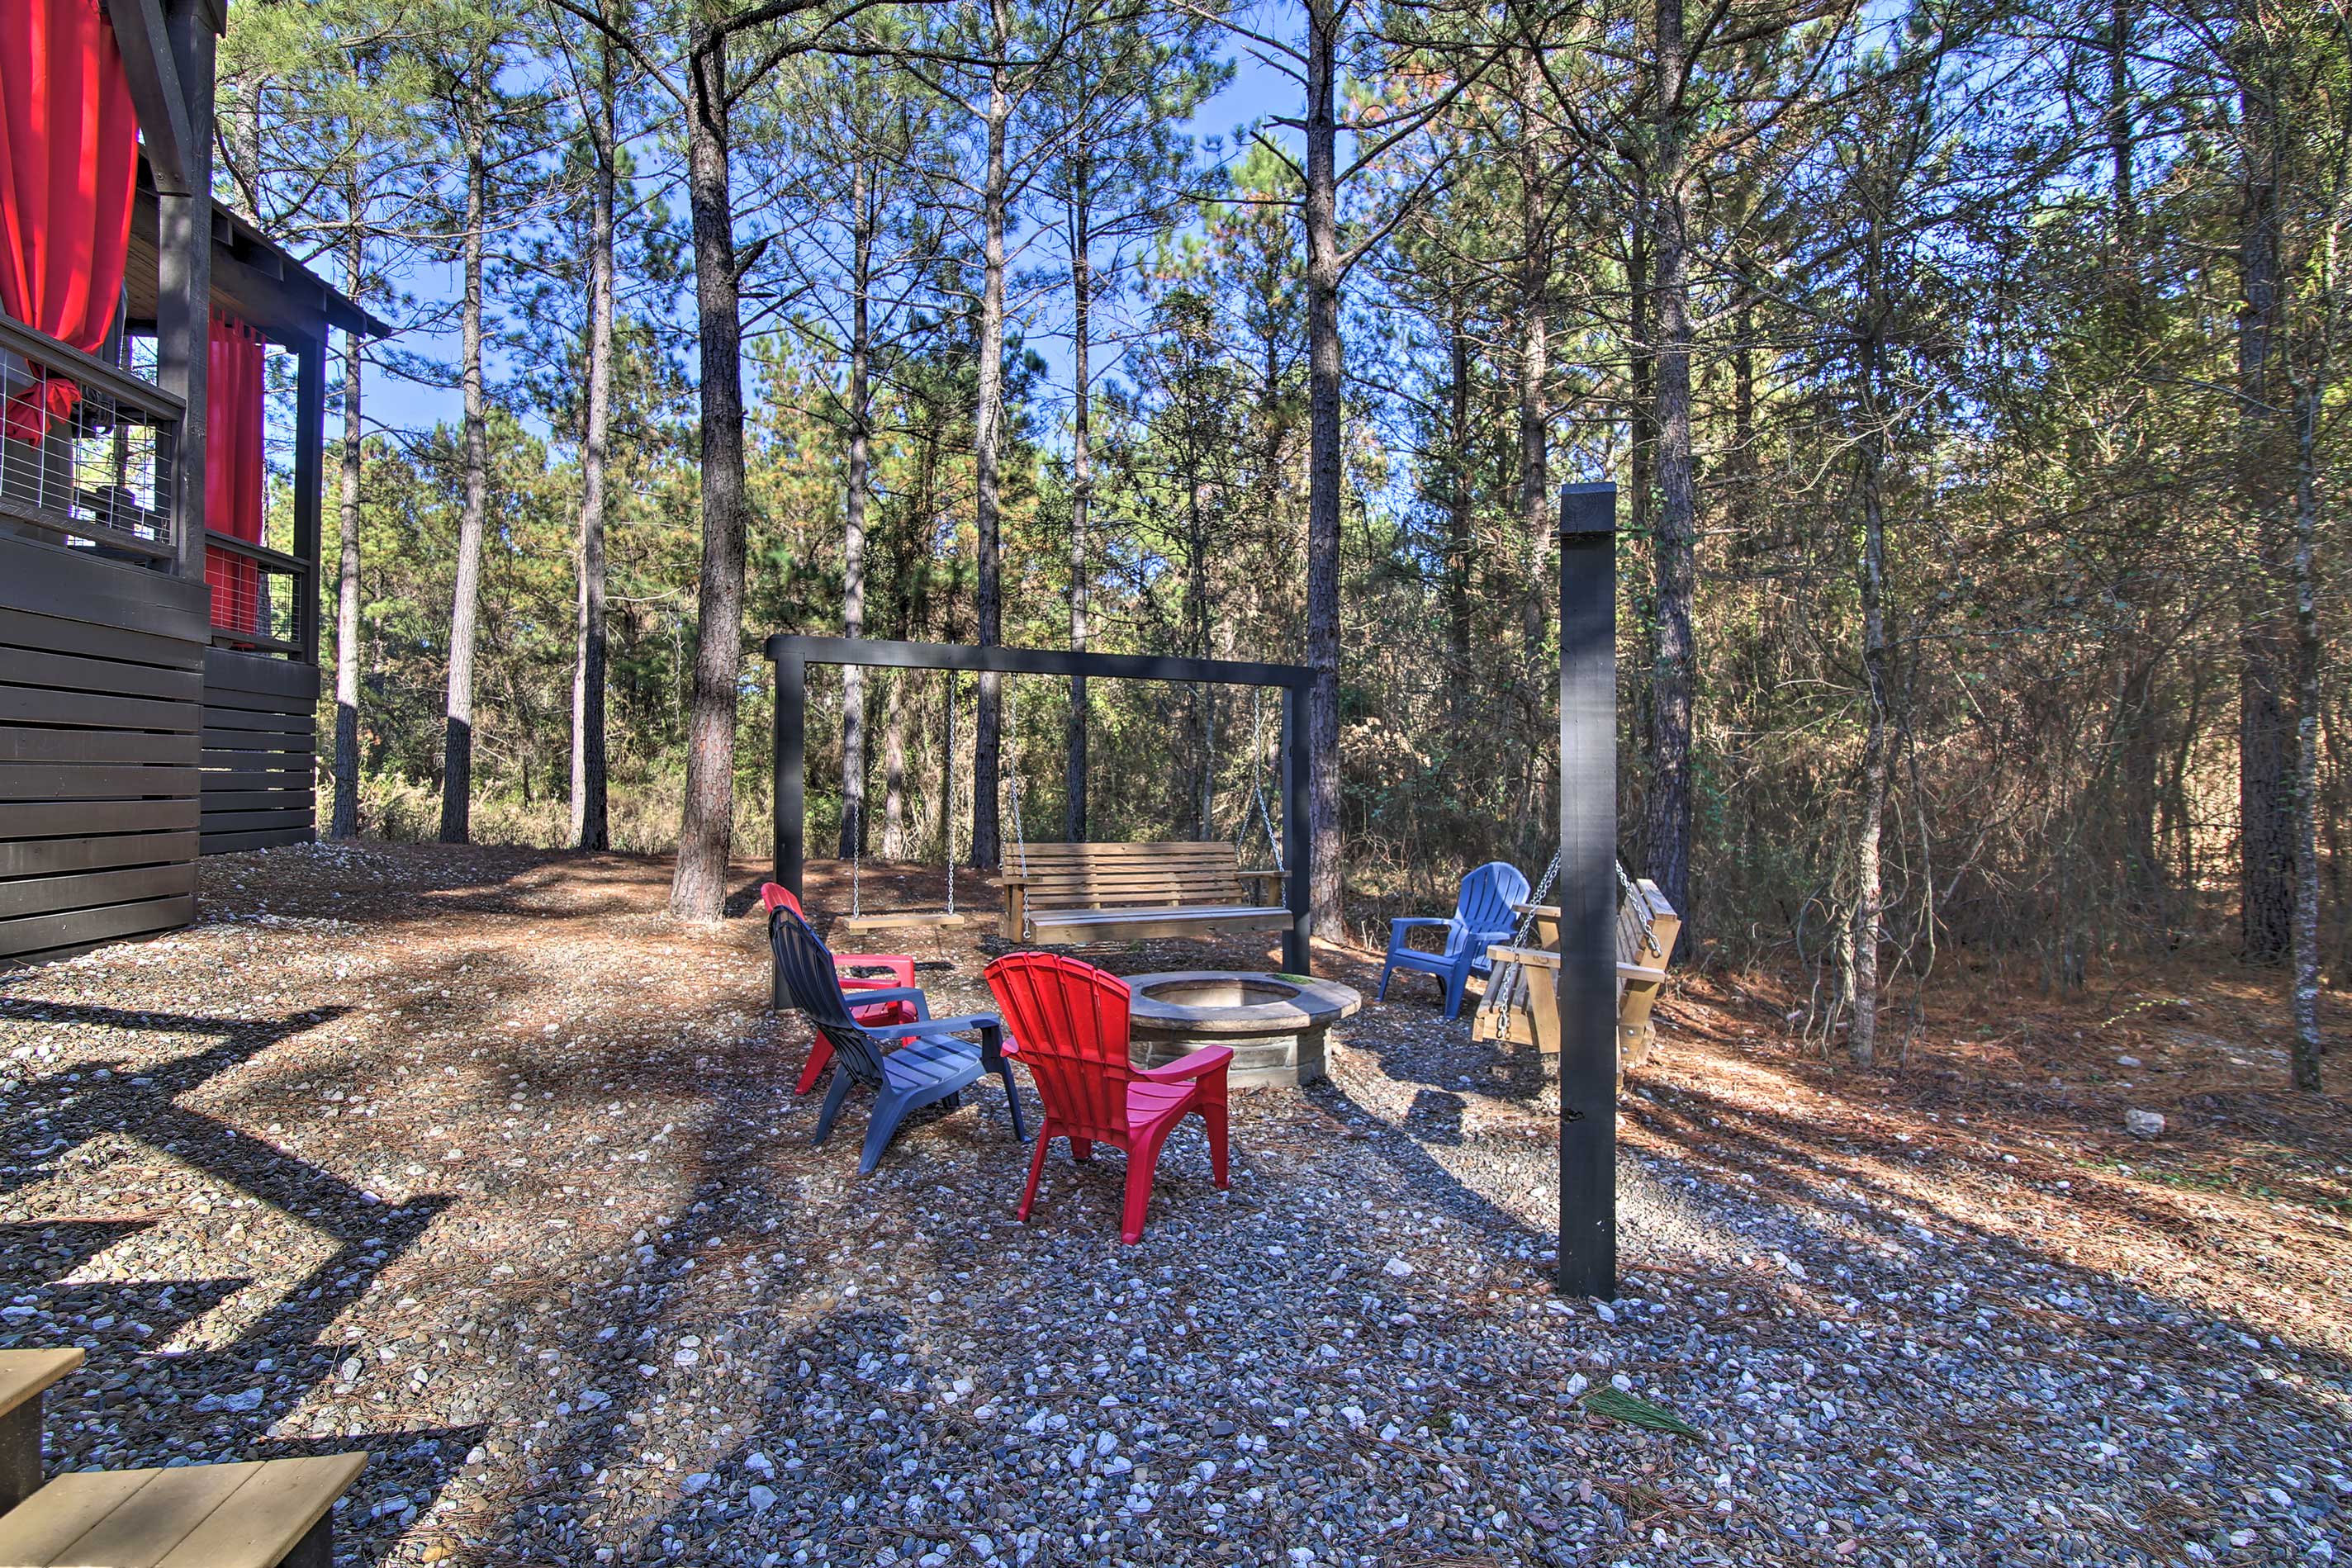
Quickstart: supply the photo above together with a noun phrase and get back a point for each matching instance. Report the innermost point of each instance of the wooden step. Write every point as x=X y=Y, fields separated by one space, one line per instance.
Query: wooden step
x=25 y=1376
x=258 y=1514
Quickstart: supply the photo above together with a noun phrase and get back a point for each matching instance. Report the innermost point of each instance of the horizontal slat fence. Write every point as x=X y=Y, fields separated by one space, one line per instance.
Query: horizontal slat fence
x=259 y=743
x=102 y=702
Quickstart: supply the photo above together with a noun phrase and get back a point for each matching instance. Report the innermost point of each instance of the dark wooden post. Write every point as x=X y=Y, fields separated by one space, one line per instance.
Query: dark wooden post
x=310 y=476
x=792 y=715
x=183 y=269
x=1588 y=891
x=1297 y=843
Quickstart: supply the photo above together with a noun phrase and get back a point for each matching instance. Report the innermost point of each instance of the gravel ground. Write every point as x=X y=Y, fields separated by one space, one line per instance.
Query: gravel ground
x=469 y=1158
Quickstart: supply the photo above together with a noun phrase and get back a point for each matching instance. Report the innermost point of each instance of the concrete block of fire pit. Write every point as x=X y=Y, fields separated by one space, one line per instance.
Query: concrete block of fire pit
x=1275 y=1023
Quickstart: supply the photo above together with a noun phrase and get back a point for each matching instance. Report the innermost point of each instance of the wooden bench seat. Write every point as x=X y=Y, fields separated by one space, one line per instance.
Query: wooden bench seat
x=1124 y=892
x=25 y=1376
x=258 y=1514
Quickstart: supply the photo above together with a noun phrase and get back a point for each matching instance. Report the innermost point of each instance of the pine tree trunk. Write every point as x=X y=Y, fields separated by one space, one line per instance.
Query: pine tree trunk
x=853 y=532
x=1862 y=1041
x=344 y=823
x=707 y=833
x=1324 y=391
x=1082 y=490
x=464 y=609
x=2266 y=812
x=1535 y=376
x=988 y=424
x=2307 y=1045
x=1458 y=518
x=894 y=770
x=1668 y=799
x=589 y=829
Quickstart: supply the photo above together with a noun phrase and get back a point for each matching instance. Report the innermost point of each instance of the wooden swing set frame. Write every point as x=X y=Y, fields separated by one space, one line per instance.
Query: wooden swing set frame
x=1114 y=902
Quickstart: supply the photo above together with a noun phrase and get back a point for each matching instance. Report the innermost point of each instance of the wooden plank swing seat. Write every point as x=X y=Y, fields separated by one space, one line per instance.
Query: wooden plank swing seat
x=267 y=1513
x=1520 y=1006
x=1080 y=893
x=900 y=920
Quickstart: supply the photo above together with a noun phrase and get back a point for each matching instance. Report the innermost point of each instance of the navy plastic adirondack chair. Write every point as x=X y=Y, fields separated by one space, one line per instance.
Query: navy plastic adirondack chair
x=1482 y=917
x=931 y=1065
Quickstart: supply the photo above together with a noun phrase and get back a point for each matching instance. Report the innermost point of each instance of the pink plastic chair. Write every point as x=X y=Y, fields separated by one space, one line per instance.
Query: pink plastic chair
x=1068 y=1024
x=898 y=971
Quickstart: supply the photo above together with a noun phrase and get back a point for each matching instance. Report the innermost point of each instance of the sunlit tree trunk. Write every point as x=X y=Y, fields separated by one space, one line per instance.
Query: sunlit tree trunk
x=852 y=540
x=1082 y=489
x=988 y=426
x=344 y=823
x=589 y=827
x=465 y=607
x=1325 y=389
x=707 y=833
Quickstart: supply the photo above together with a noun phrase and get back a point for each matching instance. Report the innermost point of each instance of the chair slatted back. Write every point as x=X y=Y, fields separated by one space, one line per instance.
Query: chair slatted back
x=814 y=986
x=1115 y=877
x=1483 y=905
x=1070 y=1021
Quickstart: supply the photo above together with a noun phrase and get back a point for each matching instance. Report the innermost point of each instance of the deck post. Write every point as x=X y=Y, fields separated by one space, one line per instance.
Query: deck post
x=310 y=477
x=184 y=272
x=1588 y=891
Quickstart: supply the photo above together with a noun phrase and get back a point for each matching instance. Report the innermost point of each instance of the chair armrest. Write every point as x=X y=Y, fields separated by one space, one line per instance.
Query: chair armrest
x=1402 y=923
x=1192 y=1064
x=868 y=995
x=988 y=1025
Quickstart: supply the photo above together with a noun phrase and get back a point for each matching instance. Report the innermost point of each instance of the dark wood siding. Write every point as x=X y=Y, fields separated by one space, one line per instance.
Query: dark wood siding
x=259 y=744
x=101 y=691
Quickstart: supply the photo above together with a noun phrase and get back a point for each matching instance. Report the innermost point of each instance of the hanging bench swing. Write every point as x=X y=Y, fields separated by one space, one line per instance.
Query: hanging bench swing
x=1070 y=894
x=1520 y=1008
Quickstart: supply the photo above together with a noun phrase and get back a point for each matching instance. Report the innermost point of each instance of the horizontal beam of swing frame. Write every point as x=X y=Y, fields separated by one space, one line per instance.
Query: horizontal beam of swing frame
x=793 y=655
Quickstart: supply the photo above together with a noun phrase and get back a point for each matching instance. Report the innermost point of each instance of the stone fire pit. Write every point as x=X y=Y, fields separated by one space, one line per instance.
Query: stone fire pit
x=1275 y=1023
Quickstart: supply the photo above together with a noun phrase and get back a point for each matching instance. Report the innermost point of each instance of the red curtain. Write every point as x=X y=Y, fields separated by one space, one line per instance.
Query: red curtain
x=68 y=156
x=233 y=472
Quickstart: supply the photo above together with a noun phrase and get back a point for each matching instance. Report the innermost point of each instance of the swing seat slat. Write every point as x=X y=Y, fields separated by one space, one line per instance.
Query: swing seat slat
x=900 y=920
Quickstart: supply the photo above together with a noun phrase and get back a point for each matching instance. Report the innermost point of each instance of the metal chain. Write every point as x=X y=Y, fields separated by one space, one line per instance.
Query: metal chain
x=947 y=824
x=1013 y=779
x=1257 y=773
x=1527 y=924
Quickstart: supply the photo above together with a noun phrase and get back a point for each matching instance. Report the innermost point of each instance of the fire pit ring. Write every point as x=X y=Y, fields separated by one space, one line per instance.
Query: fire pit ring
x=1275 y=1023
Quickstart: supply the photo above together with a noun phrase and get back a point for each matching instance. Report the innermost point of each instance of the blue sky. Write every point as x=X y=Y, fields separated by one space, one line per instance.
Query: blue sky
x=1255 y=92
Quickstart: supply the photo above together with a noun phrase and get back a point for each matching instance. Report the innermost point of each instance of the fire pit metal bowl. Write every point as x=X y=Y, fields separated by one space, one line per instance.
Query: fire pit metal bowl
x=1275 y=1023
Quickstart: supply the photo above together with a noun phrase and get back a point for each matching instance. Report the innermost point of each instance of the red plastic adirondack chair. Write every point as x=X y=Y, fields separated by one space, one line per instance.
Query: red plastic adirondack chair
x=901 y=970
x=1068 y=1026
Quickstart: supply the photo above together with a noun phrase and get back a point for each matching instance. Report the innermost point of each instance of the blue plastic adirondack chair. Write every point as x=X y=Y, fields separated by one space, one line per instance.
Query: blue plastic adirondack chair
x=1482 y=917
x=931 y=1065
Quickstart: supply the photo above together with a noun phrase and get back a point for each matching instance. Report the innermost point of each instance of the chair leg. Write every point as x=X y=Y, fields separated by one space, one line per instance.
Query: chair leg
x=1455 y=980
x=1142 y=1166
x=820 y=1055
x=890 y=1110
x=1213 y=1118
x=1012 y=1099
x=837 y=1092
x=1037 y=1169
x=1388 y=968
x=1082 y=1149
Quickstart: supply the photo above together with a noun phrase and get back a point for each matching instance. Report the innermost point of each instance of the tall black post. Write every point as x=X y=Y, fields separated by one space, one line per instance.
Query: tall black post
x=1588 y=891
x=792 y=714
x=1298 y=842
